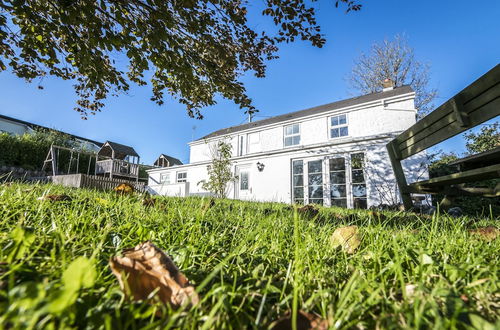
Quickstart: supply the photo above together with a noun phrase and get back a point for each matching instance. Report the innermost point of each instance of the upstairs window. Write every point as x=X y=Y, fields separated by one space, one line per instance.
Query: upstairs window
x=338 y=126
x=181 y=177
x=292 y=135
x=253 y=142
x=165 y=178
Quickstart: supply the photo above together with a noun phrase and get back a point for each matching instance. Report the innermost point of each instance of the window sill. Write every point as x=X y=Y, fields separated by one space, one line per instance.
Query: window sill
x=338 y=138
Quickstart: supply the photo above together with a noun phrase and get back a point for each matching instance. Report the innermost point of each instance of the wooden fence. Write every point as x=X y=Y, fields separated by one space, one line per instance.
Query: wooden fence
x=94 y=182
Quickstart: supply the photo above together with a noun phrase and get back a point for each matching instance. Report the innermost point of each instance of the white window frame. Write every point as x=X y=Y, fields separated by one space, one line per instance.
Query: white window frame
x=291 y=135
x=165 y=178
x=326 y=177
x=182 y=179
x=339 y=126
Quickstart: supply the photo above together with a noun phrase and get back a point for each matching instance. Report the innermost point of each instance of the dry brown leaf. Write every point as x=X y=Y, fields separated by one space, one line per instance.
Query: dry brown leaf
x=148 y=202
x=208 y=205
x=308 y=210
x=145 y=268
x=378 y=215
x=346 y=237
x=305 y=321
x=55 y=198
x=124 y=188
x=487 y=233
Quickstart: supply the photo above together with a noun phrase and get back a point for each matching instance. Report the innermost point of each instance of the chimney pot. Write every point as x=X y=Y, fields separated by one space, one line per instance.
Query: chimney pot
x=388 y=85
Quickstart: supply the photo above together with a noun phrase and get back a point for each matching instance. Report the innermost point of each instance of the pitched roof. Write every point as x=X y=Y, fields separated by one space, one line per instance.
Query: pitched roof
x=171 y=160
x=312 y=111
x=35 y=126
x=120 y=149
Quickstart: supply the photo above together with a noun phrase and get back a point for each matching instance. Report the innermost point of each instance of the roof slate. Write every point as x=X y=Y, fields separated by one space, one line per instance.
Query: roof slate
x=312 y=111
x=122 y=149
x=173 y=161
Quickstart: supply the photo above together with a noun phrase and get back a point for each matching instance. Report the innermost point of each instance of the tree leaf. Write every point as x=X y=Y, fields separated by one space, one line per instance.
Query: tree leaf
x=79 y=274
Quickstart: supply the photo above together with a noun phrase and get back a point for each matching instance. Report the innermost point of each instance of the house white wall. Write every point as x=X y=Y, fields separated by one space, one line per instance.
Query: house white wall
x=13 y=127
x=371 y=126
x=16 y=128
x=274 y=182
x=375 y=118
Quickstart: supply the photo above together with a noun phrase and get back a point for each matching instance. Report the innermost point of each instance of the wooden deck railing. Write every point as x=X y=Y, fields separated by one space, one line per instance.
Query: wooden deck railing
x=117 y=167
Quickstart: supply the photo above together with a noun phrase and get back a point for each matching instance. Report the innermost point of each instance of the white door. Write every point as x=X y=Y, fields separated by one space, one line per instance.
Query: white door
x=243 y=188
x=314 y=182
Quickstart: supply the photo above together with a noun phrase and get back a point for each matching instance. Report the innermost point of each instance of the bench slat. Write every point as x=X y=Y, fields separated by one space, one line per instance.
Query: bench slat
x=464 y=111
x=484 y=90
x=481 y=159
x=487 y=112
x=478 y=174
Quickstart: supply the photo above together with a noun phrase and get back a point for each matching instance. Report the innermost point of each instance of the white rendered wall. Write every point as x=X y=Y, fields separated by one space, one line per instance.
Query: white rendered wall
x=274 y=182
x=381 y=117
x=12 y=128
x=369 y=127
x=173 y=190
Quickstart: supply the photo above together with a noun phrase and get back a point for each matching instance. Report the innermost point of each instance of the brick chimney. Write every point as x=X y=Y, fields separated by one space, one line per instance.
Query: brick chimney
x=387 y=85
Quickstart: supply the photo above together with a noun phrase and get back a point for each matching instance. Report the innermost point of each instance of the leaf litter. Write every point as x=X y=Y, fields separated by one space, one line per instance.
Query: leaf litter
x=145 y=271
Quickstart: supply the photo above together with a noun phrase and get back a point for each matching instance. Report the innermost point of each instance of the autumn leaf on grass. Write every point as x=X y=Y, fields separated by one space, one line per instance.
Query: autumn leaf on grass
x=308 y=210
x=146 y=269
x=208 y=205
x=346 y=237
x=489 y=233
x=148 y=202
x=55 y=198
x=378 y=215
x=124 y=188
x=305 y=321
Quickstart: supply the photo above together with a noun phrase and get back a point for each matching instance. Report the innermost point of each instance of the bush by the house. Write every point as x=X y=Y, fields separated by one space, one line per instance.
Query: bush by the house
x=28 y=151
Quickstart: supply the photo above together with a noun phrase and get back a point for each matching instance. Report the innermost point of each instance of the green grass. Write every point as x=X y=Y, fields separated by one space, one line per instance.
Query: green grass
x=250 y=262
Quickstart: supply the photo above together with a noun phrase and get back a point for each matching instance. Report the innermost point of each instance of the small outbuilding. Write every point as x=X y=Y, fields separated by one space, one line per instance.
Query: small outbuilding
x=166 y=161
x=117 y=160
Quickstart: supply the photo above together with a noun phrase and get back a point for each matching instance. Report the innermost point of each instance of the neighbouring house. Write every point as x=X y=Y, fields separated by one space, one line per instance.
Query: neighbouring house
x=19 y=127
x=166 y=161
x=116 y=160
x=333 y=154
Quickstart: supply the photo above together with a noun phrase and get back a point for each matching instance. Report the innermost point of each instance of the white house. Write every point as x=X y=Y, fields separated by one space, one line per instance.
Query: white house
x=333 y=154
x=16 y=126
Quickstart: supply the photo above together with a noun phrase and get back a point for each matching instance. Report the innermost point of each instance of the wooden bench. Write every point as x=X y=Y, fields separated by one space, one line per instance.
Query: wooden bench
x=477 y=103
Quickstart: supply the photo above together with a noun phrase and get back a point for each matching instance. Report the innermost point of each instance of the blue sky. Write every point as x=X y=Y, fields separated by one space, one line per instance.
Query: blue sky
x=459 y=39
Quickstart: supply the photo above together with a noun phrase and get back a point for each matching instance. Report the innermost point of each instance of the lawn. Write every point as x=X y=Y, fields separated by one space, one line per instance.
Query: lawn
x=251 y=263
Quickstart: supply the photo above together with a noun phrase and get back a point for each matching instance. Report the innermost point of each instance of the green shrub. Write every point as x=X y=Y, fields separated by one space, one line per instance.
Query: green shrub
x=30 y=150
x=470 y=205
